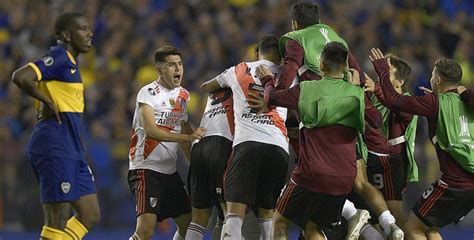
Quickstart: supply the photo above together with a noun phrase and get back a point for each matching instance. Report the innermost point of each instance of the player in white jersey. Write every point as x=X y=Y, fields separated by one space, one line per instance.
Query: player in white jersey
x=159 y=115
x=208 y=161
x=256 y=172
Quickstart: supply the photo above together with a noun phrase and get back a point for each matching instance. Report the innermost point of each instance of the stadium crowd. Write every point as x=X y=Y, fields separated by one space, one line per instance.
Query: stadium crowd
x=213 y=36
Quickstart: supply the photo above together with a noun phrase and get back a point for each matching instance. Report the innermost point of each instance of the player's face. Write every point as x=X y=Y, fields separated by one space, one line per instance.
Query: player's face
x=395 y=82
x=171 y=72
x=81 y=35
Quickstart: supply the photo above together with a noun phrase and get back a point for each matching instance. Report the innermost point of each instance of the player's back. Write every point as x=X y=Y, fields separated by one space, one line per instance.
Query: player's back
x=218 y=117
x=265 y=128
x=58 y=78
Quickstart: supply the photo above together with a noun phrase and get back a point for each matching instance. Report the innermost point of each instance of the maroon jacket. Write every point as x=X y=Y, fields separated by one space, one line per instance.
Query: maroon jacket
x=452 y=173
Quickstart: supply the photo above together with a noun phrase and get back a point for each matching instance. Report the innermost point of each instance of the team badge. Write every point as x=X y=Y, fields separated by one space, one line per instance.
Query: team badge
x=153 y=202
x=65 y=187
x=48 y=60
x=172 y=102
x=151 y=91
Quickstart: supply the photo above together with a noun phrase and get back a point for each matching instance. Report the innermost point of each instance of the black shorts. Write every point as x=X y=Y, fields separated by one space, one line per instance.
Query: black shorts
x=256 y=174
x=158 y=193
x=205 y=178
x=441 y=205
x=301 y=206
x=387 y=174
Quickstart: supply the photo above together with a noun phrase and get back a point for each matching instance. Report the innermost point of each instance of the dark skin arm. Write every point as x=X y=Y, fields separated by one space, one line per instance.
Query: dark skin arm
x=25 y=78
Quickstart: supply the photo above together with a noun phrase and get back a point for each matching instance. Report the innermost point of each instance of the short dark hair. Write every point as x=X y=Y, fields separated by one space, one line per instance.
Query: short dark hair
x=165 y=51
x=403 y=70
x=268 y=44
x=334 y=56
x=305 y=13
x=64 y=21
x=449 y=70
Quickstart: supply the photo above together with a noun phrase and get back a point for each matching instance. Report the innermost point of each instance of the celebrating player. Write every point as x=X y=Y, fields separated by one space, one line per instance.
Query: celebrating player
x=160 y=114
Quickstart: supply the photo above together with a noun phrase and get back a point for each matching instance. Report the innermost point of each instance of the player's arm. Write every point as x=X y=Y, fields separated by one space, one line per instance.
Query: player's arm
x=152 y=131
x=467 y=95
x=211 y=86
x=25 y=78
x=186 y=128
x=291 y=63
x=424 y=105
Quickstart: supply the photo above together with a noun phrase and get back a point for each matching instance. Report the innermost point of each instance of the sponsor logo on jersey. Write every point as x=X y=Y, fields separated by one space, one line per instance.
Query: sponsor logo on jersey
x=73 y=70
x=48 y=60
x=65 y=187
x=153 y=202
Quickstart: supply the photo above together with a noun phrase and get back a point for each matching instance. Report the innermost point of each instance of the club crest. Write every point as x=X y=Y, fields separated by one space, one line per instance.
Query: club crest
x=65 y=187
x=153 y=202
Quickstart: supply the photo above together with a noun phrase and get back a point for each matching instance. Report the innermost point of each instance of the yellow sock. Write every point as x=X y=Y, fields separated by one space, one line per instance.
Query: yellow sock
x=74 y=230
x=51 y=233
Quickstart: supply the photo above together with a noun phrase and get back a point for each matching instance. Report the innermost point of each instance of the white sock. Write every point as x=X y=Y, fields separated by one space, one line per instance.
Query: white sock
x=385 y=219
x=216 y=233
x=195 y=232
x=370 y=233
x=348 y=210
x=265 y=228
x=177 y=236
x=232 y=229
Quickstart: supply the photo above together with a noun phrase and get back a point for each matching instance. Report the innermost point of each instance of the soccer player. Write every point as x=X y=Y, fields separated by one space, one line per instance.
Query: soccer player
x=208 y=161
x=388 y=173
x=160 y=114
x=55 y=149
x=301 y=49
x=332 y=114
x=256 y=172
x=450 y=126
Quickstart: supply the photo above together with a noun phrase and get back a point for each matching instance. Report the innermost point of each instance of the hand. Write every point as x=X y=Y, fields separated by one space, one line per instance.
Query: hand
x=258 y=103
x=369 y=84
x=461 y=89
x=262 y=71
x=426 y=90
x=354 y=77
x=55 y=110
x=198 y=134
x=375 y=54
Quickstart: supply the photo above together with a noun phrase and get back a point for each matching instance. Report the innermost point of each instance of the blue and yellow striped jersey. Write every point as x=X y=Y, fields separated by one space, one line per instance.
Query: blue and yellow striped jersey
x=59 y=78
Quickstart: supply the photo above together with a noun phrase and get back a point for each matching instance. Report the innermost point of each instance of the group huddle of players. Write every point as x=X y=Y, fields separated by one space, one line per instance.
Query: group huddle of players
x=353 y=137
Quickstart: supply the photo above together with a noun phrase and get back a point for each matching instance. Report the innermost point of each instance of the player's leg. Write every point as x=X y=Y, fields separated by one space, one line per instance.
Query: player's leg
x=356 y=219
x=271 y=181
x=439 y=205
x=240 y=183
x=374 y=200
x=313 y=232
x=145 y=187
x=280 y=226
x=216 y=232
x=86 y=209
x=55 y=217
x=87 y=215
x=182 y=223
x=176 y=204
x=199 y=188
x=387 y=174
x=59 y=186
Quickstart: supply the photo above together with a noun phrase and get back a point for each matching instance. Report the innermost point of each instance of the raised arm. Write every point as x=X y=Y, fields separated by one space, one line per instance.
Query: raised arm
x=424 y=105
